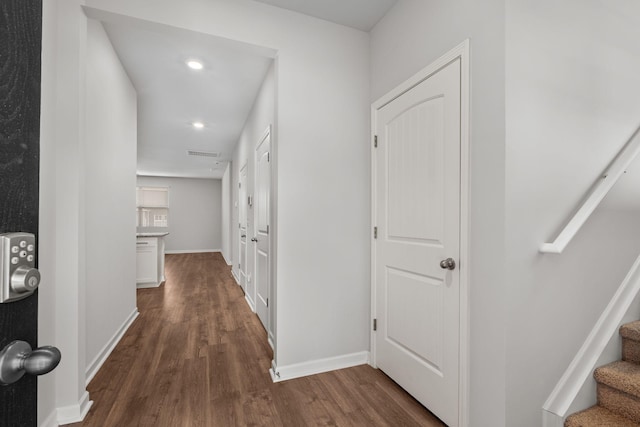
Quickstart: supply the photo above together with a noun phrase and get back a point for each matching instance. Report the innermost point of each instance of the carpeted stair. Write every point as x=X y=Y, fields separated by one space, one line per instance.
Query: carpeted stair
x=618 y=388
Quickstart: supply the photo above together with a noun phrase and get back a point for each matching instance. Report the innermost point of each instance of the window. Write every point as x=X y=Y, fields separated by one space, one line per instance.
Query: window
x=152 y=205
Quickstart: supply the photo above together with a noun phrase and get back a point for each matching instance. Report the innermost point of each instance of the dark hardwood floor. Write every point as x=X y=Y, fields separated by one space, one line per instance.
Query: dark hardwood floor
x=198 y=356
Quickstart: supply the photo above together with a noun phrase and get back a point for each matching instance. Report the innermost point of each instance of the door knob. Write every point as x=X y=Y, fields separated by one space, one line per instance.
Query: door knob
x=448 y=264
x=253 y=239
x=17 y=358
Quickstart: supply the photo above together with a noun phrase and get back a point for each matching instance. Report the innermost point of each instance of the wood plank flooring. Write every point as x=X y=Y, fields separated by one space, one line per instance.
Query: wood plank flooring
x=198 y=356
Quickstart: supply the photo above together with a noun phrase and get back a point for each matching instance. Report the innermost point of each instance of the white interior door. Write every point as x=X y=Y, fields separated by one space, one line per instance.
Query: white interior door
x=242 y=228
x=261 y=227
x=417 y=203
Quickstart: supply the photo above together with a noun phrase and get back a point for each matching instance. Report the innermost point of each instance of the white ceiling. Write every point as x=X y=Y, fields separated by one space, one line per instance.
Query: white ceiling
x=359 y=14
x=171 y=96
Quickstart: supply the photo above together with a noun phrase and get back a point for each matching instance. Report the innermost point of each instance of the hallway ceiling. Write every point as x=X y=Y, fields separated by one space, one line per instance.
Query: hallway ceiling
x=358 y=14
x=171 y=96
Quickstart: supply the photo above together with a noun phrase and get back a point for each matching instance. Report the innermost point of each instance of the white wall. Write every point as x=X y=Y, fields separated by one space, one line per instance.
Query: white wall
x=110 y=176
x=572 y=101
x=322 y=165
x=261 y=117
x=62 y=217
x=47 y=220
x=226 y=215
x=195 y=213
x=411 y=36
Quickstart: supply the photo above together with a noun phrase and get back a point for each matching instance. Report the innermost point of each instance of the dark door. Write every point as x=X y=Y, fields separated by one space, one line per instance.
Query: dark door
x=20 y=41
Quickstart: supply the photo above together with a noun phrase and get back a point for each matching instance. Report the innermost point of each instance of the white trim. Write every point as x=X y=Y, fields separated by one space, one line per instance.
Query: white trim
x=233 y=274
x=224 y=258
x=148 y=285
x=465 y=233
x=244 y=168
x=102 y=356
x=318 y=366
x=551 y=420
x=75 y=413
x=250 y=303
x=266 y=134
x=372 y=246
x=191 y=251
x=273 y=215
x=583 y=364
x=51 y=420
x=463 y=52
x=607 y=180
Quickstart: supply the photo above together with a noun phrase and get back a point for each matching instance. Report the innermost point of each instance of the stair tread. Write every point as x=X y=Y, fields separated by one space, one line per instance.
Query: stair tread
x=620 y=375
x=631 y=330
x=597 y=416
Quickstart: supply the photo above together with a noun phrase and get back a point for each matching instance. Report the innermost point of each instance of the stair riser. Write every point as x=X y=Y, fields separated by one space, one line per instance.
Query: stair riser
x=630 y=350
x=619 y=402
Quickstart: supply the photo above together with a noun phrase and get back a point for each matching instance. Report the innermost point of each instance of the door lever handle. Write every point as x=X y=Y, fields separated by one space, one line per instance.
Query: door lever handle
x=17 y=358
x=253 y=239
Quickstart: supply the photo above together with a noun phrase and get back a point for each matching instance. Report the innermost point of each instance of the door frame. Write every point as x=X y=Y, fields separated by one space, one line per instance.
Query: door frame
x=462 y=52
x=266 y=134
x=245 y=165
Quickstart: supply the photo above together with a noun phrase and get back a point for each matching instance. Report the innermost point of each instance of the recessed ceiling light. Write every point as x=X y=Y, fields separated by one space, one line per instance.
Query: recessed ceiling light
x=198 y=125
x=196 y=65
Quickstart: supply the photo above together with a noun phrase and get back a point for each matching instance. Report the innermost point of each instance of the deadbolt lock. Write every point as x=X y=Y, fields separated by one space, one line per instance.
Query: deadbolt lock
x=19 y=277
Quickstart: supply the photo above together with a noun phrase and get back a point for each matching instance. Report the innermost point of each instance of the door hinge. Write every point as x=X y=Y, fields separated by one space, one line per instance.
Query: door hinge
x=375 y=232
x=268 y=157
x=375 y=141
x=267 y=302
x=267 y=228
x=239 y=185
x=375 y=324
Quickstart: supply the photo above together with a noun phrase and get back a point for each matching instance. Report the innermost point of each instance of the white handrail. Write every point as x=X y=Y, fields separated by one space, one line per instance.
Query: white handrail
x=615 y=170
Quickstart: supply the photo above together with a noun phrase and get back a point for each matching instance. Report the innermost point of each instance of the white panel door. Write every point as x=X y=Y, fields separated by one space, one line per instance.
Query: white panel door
x=242 y=229
x=261 y=227
x=417 y=192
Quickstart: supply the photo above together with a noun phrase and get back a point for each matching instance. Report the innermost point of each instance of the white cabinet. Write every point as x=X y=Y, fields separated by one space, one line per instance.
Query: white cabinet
x=150 y=260
x=147 y=259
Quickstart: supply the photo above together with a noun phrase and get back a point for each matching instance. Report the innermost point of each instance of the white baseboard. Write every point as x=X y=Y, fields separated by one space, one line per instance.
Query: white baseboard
x=250 y=303
x=191 y=251
x=319 y=366
x=75 y=413
x=148 y=285
x=550 y=419
x=99 y=360
x=225 y=258
x=233 y=273
x=51 y=420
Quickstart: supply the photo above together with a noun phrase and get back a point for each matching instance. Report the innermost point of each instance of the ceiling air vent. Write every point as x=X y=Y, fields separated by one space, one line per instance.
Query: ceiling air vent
x=202 y=153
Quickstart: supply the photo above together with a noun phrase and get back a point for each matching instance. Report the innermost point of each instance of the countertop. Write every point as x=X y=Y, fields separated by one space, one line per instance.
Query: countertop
x=150 y=234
